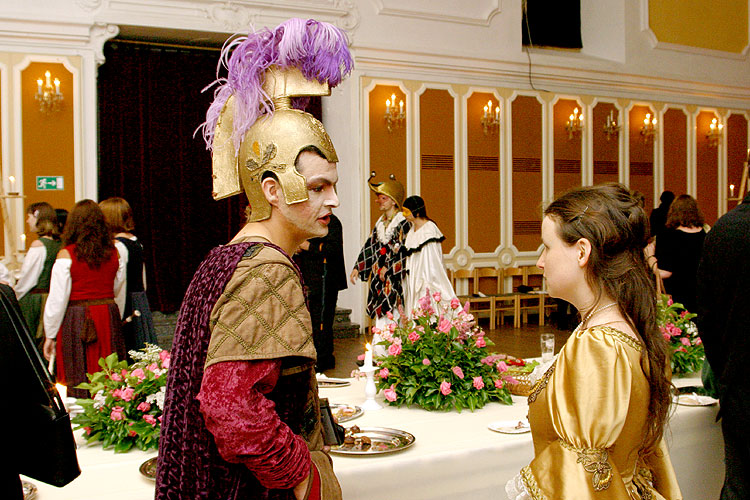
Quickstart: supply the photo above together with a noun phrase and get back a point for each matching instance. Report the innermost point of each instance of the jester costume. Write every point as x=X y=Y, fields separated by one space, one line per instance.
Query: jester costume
x=241 y=416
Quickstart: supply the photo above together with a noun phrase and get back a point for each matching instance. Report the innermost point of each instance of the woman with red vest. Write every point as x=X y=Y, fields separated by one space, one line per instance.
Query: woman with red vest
x=81 y=319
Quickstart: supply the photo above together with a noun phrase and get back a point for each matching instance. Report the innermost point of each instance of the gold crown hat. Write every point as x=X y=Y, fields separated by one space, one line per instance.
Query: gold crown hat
x=391 y=188
x=257 y=131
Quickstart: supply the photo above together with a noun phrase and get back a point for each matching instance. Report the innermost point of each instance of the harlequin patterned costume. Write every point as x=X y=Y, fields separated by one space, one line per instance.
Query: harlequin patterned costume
x=384 y=250
x=588 y=415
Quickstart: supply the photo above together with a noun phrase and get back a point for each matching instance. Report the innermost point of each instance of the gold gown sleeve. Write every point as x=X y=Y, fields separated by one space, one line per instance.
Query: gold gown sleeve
x=587 y=396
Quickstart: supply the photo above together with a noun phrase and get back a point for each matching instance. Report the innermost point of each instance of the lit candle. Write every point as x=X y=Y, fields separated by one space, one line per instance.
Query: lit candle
x=368 y=356
x=62 y=390
x=748 y=155
x=47 y=75
x=648 y=119
x=39 y=86
x=57 y=86
x=401 y=107
x=12 y=180
x=393 y=100
x=570 y=118
x=387 y=105
x=497 y=113
x=486 y=111
x=731 y=190
x=23 y=242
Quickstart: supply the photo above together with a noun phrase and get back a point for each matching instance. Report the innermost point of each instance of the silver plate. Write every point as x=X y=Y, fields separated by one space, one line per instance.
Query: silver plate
x=148 y=468
x=343 y=413
x=384 y=440
x=333 y=382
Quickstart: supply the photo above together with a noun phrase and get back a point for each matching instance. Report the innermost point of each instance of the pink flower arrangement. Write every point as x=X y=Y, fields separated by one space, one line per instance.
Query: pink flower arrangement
x=127 y=401
x=679 y=331
x=438 y=360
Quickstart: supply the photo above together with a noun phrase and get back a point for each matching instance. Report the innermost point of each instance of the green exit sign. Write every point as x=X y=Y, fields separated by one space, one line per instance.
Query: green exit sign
x=49 y=182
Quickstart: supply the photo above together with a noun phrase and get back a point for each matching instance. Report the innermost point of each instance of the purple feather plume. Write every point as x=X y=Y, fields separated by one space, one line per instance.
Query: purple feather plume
x=320 y=50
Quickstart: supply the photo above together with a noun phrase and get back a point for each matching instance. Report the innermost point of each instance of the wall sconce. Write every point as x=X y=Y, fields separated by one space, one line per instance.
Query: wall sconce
x=648 y=130
x=575 y=124
x=394 y=117
x=490 y=121
x=714 y=133
x=49 y=97
x=611 y=128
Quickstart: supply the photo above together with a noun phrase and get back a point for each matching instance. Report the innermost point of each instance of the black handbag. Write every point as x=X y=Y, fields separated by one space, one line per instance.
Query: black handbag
x=36 y=421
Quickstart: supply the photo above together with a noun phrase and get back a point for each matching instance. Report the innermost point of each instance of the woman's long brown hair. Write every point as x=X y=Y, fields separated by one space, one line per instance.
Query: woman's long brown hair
x=611 y=219
x=87 y=229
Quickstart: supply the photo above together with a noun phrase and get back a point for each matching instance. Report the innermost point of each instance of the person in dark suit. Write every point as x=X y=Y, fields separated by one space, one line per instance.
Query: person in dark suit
x=658 y=217
x=321 y=262
x=723 y=293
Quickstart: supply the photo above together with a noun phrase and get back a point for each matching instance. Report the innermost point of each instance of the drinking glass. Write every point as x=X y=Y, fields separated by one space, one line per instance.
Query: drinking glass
x=547 y=341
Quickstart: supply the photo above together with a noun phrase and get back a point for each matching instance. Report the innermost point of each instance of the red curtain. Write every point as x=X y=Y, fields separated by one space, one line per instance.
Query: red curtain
x=150 y=104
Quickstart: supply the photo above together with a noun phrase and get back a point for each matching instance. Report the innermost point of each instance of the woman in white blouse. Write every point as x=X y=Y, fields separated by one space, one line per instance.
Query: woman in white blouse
x=424 y=261
x=32 y=286
x=81 y=321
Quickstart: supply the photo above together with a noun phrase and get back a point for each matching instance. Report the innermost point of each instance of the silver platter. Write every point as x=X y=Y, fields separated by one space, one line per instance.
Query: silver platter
x=345 y=413
x=384 y=440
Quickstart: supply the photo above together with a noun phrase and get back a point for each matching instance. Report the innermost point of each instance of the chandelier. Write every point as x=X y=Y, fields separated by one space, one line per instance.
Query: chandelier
x=48 y=96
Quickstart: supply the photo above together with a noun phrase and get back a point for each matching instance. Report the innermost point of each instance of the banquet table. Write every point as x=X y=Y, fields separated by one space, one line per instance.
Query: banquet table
x=454 y=456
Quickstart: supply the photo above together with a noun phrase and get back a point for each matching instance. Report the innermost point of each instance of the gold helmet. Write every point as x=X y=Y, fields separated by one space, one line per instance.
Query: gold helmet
x=251 y=138
x=391 y=188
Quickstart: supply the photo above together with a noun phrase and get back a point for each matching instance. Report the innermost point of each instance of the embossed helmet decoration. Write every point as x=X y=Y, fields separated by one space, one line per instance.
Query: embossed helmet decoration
x=252 y=127
x=391 y=188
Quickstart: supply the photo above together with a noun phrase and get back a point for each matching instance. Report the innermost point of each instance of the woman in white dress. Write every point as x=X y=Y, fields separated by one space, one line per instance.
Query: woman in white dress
x=424 y=263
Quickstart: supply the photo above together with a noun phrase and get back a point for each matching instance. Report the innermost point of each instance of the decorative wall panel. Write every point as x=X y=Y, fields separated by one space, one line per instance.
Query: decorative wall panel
x=437 y=143
x=387 y=149
x=737 y=155
x=483 y=177
x=567 y=147
x=606 y=147
x=526 y=143
x=675 y=151
x=707 y=161
x=641 y=155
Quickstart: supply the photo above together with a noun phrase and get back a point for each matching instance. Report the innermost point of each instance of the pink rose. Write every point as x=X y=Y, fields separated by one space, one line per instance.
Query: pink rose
x=116 y=377
x=681 y=349
x=144 y=406
x=390 y=393
x=510 y=379
x=466 y=307
x=437 y=297
x=458 y=371
x=670 y=301
x=413 y=336
x=499 y=384
x=426 y=362
x=127 y=394
x=481 y=342
x=444 y=325
x=683 y=314
x=502 y=367
x=395 y=348
x=698 y=341
x=389 y=315
x=424 y=302
x=164 y=356
x=153 y=367
x=685 y=341
x=666 y=336
x=138 y=372
x=159 y=418
x=376 y=330
x=391 y=327
x=116 y=413
x=88 y=430
x=124 y=373
x=150 y=419
x=384 y=373
x=361 y=357
x=478 y=383
x=455 y=303
x=445 y=388
x=132 y=434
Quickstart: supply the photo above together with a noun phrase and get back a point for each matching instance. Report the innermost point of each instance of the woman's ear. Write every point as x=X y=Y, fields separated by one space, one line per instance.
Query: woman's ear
x=583 y=247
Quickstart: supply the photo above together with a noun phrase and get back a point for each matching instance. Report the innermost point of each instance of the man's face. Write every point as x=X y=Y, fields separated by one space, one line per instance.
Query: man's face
x=309 y=219
x=385 y=203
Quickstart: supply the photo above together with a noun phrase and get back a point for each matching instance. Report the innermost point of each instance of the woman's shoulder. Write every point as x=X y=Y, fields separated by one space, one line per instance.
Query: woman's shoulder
x=609 y=337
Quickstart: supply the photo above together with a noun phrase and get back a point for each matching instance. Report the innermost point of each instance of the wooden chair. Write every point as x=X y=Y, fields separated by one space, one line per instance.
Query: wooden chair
x=537 y=300
x=478 y=306
x=512 y=298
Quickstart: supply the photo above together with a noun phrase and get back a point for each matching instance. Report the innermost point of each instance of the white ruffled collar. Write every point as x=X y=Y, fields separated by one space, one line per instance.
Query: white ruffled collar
x=386 y=233
x=416 y=237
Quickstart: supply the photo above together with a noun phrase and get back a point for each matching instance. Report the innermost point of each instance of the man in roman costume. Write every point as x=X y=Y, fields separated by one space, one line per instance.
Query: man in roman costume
x=382 y=259
x=241 y=416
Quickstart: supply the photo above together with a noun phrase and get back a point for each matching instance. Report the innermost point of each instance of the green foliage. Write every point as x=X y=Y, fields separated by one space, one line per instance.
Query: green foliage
x=439 y=361
x=127 y=401
x=677 y=327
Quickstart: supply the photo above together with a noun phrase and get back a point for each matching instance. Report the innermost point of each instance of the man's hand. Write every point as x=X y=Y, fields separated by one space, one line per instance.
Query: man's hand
x=353 y=276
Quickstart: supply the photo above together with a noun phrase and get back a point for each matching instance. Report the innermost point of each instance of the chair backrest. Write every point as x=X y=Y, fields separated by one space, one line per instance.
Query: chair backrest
x=516 y=275
x=534 y=277
x=461 y=274
x=488 y=280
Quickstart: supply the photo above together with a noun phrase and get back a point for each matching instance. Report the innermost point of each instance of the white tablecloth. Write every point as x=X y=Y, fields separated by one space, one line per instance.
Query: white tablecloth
x=455 y=456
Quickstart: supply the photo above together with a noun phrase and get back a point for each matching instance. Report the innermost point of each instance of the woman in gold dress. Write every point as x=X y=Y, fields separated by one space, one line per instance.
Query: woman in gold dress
x=598 y=415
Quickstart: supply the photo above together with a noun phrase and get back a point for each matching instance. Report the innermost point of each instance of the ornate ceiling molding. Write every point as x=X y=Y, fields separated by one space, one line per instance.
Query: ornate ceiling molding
x=100 y=33
x=476 y=12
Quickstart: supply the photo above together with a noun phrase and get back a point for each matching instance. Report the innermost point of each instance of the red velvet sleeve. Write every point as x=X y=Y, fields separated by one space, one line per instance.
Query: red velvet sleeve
x=245 y=425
